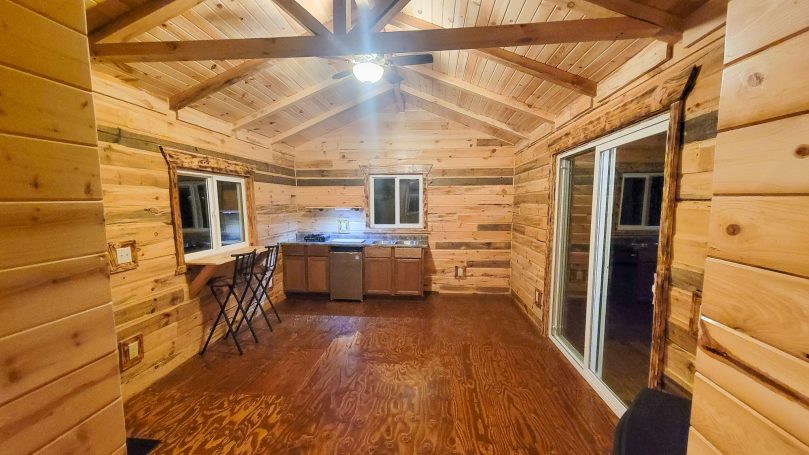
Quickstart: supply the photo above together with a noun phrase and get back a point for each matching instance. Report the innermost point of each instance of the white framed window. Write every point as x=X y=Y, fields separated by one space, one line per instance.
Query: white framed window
x=213 y=212
x=641 y=193
x=396 y=201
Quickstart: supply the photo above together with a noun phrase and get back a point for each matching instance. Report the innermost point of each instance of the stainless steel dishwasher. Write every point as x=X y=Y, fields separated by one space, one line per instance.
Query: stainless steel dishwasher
x=345 y=268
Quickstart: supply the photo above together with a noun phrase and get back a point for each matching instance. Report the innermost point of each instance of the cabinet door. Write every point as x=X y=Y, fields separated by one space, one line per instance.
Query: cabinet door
x=408 y=277
x=317 y=274
x=378 y=276
x=294 y=274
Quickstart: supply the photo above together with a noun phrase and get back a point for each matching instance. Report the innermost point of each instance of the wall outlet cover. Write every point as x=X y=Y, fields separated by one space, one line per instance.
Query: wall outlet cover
x=124 y=254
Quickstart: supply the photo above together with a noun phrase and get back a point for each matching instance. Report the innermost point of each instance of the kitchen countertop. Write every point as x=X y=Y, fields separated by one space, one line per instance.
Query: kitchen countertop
x=365 y=243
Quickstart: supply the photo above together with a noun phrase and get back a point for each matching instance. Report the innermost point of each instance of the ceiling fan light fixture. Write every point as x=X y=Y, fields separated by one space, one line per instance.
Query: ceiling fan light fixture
x=368 y=72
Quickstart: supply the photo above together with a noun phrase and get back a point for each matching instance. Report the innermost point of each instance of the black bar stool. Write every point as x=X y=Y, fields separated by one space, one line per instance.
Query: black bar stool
x=263 y=274
x=242 y=276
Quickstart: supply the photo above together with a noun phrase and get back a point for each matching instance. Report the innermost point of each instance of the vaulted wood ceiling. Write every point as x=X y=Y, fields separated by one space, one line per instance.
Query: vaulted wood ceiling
x=506 y=92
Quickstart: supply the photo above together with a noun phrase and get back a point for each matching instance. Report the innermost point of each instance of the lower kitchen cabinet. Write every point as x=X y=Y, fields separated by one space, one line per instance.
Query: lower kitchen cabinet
x=408 y=277
x=317 y=274
x=378 y=276
x=294 y=273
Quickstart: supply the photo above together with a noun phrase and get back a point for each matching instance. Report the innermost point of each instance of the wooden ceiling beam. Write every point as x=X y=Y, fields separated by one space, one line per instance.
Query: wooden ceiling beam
x=515 y=61
x=373 y=92
x=302 y=17
x=141 y=19
x=222 y=80
x=609 y=29
x=341 y=16
x=217 y=83
x=466 y=117
x=487 y=95
x=671 y=25
x=278 y=106
x=380 y=15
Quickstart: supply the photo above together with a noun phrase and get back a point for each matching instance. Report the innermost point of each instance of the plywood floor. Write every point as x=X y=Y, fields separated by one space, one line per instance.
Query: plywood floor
x=449 y=375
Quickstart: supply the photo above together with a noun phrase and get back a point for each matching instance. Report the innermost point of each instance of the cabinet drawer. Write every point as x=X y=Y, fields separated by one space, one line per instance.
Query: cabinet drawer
x=293 y=250
x=377 y=252
x=414 y=253
x=317 y=250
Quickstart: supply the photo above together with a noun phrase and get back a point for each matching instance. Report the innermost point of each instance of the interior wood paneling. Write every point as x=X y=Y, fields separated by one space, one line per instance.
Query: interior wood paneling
x=151 y=300
x=753 y=392
x=58 y=360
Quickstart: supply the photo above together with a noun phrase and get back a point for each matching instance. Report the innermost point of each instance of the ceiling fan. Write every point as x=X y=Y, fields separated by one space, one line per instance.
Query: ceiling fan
x=372 y=67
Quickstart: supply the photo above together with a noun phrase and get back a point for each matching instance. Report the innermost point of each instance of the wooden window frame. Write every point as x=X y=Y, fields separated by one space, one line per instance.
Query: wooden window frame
x=397 y=209
x=193 y=162
x=422 y=170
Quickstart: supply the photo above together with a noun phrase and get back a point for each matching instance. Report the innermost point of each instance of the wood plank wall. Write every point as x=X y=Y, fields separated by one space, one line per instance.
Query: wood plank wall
x=59 y=384
x=469 y=190
x=151 y=300
x=533 y=187
x=751 y=393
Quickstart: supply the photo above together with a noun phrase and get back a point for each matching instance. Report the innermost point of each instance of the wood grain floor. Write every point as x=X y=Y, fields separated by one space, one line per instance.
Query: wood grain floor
x=449 y=375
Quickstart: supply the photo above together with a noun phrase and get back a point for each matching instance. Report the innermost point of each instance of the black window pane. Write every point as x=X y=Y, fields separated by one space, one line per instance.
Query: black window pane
x=655 y=201
x=384 y=200
x=231 y=221
x=409 y=201
x=193 y=192
x=632 y=201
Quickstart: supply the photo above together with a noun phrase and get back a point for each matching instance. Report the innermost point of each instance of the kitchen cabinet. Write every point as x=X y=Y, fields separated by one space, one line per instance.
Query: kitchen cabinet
x=408 y=277
x=378 y=274
x=306 y=268
x=317 y=274
x=294 y=273
x=386 y=270
x=394 y=271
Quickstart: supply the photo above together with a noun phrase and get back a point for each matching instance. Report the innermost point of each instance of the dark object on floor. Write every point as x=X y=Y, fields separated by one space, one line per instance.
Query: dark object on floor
x=655 y=423
x=137 y=446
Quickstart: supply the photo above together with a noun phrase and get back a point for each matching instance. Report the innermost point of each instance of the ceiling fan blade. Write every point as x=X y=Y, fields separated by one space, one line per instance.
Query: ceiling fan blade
x=392 y=76
x=418 y=59
x=341 y=74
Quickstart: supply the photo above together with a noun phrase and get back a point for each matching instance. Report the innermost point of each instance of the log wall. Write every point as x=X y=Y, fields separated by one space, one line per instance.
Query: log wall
x=469 y=193
x=751 y=392
x=151 y=300
x=636 y=100
x=59 y=385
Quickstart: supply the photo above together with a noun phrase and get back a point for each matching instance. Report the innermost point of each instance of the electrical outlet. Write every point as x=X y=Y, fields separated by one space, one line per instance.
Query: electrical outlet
x=130 y=352
x=124 y=254
x=537 y=297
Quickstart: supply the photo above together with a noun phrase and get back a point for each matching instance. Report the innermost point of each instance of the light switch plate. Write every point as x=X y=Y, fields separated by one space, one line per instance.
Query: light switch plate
x=124 y=254
x=134 y=350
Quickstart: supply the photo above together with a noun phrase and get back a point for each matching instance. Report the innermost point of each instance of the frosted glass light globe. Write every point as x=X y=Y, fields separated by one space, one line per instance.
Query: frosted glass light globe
x=367 y=72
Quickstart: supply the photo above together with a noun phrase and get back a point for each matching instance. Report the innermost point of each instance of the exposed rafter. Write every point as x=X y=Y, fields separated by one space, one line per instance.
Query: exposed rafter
x=219 y=82
x=372 y=92
x=278 y=106
x=397 y=95
x=380 y=15
x=341 y=16
x=486 y=95
x=141 y=19
x=466 y=117
x=302 y=16
x=609 y=29
x=671 y=25
x=514 y=61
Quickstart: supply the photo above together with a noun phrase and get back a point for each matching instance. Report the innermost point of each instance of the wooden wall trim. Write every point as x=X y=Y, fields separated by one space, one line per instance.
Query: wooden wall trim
x=662 y=284
x=178 y=159
x=632 y=110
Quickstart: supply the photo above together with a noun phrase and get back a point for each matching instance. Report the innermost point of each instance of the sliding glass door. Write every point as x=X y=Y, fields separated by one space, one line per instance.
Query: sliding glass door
x=608 y=199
